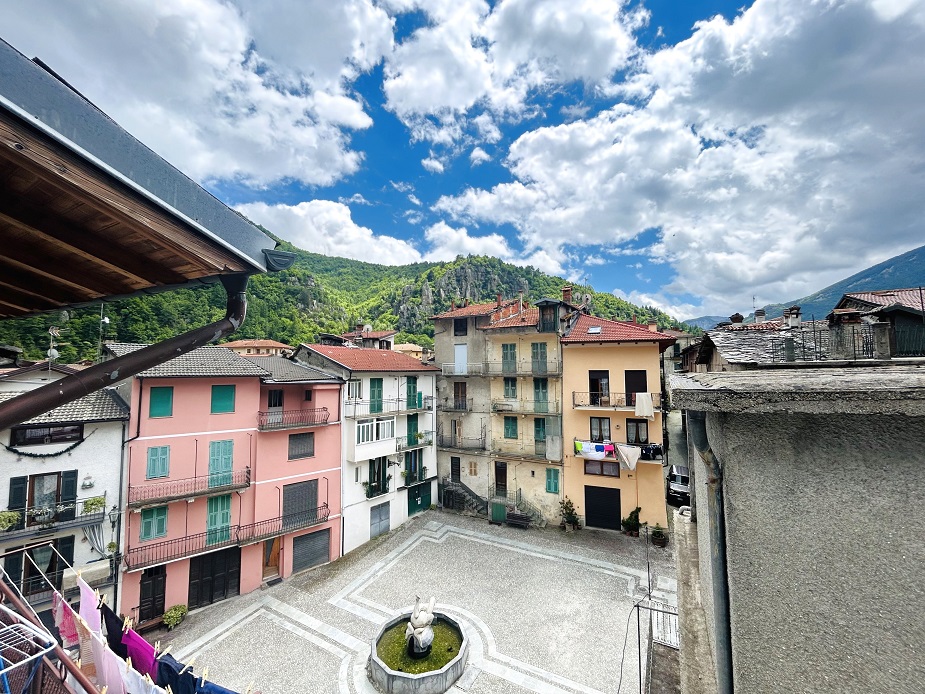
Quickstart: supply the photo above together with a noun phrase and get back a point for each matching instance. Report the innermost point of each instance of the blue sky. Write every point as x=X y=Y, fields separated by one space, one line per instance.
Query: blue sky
x=689 y=155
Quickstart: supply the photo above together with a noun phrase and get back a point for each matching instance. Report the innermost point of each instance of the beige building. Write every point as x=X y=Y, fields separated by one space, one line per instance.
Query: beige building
x=611 y=380
x=258 y=348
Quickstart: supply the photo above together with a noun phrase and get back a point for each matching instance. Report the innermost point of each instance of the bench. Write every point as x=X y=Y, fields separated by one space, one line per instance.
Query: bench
x=521 y=520
x=150 y=625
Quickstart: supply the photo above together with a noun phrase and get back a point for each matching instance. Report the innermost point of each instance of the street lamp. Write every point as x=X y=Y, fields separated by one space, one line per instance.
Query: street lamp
x=114 y=517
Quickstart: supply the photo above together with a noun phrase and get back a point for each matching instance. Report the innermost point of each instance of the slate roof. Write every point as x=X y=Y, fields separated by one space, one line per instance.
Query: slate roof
x=263 y=344
x=530 y=316
x=764 y=346
x=282 y=370
x=370 y=335
x=909 y=298
x=41 y=366
x=211 y=360
x=364 y=359
x=100 y=406
x=474 y=309
x=613 y=331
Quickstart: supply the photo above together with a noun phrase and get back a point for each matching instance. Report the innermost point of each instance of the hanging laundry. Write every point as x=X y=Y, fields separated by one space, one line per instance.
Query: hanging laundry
x=629 y=455
x=136 y=683
x=609 y=449
x=141 y=652
x=578 y=447
x=592 y=451
x=644 y=407
x=206 y=687
x=64 y=621
x=87 y=663
x=168 y=674
x=109 y=667
x=88 y=606
x=113 y=624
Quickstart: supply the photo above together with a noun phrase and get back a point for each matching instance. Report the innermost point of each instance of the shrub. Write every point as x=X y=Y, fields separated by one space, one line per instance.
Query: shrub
x=175 y=615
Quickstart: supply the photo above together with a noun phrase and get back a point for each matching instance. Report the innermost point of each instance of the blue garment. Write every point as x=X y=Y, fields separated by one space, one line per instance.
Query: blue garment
x=212 y=688
x=168 y=673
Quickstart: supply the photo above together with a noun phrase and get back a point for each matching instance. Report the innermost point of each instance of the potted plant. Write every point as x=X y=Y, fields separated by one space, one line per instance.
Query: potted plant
x=8 y=519
x=112 y=547
x=631 y=523
x=95 y=504
x=569 y=515
x=174 y=616
x=419 y=435
x=659 y=536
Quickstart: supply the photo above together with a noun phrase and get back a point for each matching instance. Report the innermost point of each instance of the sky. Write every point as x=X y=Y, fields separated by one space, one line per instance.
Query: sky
x=701 y=156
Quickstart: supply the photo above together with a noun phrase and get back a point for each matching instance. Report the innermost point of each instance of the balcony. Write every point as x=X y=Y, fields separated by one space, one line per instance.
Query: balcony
x=526 y=406
x=418 y=439
x=473 y=443
x=527 y=449
x=409 y=478
x=188 y=488
x=469 y=369
x=524 y=367
x=152 y=553
x=611 y=401
x=34 y=520
x=457 y=405
x=292 y=419
x=378 y=488
x=372 y=408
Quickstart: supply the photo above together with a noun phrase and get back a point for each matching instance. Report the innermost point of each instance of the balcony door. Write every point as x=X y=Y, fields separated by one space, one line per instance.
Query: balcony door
x=540 y=395
x=459 y=395
x=538 y=358
x=460 y=359
x=221 y=456
x=275 y=406
x=599 y=387
x=375 y=395
x=635 y=383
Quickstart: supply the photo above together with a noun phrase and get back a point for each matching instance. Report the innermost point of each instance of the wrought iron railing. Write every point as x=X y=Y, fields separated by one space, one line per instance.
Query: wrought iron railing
x=371 y=408
x=468 y=369
x=62 y=514
x=610 y=400
x=409 y=477
x=375 y=489
x=473 y=443
x=526 y=406
x=416 y=440
x=274 y=527
x=524 y=367
x=531 y=449
x=292 y=419
x=187 y=488
x=457 y=405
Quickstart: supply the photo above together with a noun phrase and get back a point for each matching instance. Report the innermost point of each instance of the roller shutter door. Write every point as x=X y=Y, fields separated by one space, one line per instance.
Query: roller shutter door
x=311 y=550
x=602 y=507
x=378 y=520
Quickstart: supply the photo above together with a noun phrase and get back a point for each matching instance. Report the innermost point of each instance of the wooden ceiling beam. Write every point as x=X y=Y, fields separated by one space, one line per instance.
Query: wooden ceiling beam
x=87 y=287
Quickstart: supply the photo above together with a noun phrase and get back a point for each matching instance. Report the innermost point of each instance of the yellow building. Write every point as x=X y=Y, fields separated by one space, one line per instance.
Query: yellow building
x=611 y=384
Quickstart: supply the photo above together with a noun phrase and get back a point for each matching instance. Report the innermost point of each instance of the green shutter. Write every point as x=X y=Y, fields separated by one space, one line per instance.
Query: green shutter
x=552 y=480
x=411 y=392
x=509 y=358
x=221 y=461
x=510 y=387
x=539 y=429
x=12 y=564
x=510 y=427
x=222 y=399
x=158 y=462
x=160 y=521
x=375 y=395
x=19 y=489
x=153 y=522
x=68 y=497
x=538 y=357
x=218 y=519
x=161 y=401
x=541 y=394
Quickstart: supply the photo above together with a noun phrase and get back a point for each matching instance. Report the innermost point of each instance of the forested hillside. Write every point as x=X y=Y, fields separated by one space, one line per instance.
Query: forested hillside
x=318 y=294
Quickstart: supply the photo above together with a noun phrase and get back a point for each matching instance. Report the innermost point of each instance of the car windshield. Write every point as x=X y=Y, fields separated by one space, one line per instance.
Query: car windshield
x=680 y=479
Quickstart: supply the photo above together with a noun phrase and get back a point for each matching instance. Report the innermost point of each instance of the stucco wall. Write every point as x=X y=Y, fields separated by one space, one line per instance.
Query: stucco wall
x=824 y=529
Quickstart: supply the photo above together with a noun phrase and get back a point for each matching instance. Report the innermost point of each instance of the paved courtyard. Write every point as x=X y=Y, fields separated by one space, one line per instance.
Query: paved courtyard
x=545 y=611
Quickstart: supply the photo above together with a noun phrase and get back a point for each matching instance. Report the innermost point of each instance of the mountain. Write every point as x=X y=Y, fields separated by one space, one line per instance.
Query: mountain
x=706 y=322
x=317 y=294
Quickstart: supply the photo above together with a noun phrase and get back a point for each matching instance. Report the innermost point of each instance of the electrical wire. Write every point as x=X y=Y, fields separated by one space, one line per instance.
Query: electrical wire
x=626 y=633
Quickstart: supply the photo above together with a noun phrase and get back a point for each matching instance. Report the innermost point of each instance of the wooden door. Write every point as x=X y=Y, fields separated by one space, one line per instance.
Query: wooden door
x=271 y=558
x=375 y=395
x=454 y=469
x=153 y=593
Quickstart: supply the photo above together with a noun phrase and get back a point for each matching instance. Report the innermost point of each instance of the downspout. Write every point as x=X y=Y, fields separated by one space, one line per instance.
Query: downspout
x=697 y=422
x=107 y=373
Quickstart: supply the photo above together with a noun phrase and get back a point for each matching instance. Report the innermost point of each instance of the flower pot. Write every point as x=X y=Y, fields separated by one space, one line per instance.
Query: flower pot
x=660 y=540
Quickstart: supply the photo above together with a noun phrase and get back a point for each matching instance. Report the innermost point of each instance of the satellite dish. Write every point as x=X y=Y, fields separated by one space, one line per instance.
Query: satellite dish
x=587 y=298
x=52 y=353
x=367 y=328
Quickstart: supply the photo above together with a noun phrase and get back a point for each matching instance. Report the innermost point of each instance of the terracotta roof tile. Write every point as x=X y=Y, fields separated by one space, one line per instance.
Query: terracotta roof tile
x=474 y=309
x=371 y=335
x=529 y=317
x=364 y=359
x=910 y=298
x=586 y=327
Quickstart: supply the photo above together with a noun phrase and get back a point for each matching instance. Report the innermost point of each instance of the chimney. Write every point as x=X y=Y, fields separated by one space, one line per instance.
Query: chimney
x=520 y=305
x=498 y=297
x=737 y=318
x=453 y=305
x=653 y=326
x=567 y=294
x=467 y=301
x=795 y=317
x=359 y=328
x=759 y=315
x=634 y=319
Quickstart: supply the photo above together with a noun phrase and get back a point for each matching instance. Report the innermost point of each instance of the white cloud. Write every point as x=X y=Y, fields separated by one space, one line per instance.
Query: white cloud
x=413 y=199
x=326 y=227
x=446 y=243
x=479 y=156
x=432 y=164
x=680 y=310
x=355 y=199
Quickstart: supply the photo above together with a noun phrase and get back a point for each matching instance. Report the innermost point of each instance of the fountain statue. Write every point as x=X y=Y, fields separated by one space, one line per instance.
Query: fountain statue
x=418 y=633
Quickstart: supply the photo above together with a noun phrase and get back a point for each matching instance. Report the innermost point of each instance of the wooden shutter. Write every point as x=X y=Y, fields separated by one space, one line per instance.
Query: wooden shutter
x=222 y=399
x=510 y=427
x=12 y=564
x=375 y=395
x=161 y=404
x=552 y=480
x=147 y=524
x=160 y=521
x=19 y=490
x=65 y=546
x=411 y=391
x=221 y=461
x=68 y=495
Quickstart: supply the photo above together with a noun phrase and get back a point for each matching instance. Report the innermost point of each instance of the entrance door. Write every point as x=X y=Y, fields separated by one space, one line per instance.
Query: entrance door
x=153 y=590
x=500 y=478
x=378 y=520
x=418 y=498
x=454 y=469
x=271 y=558
x=599 y=387
x=602 y=507
x=214 y=577
x=460 y=359
x=275 y=407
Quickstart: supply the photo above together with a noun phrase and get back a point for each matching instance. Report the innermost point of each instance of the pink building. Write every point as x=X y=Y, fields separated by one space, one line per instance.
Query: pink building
x=229 y=468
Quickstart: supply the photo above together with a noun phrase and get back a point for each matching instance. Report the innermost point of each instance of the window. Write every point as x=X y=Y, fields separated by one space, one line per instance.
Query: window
x=222 y=399
x=221 y=461
x=365 y=429
x=354 y=389
x=460 y=326
x=27 y=573
x=158 y=462
x=356 y=474
x=541 y=394
x=161 y=404
x=375 y=395
x=637 y=431
x=459 y=395
x=600 y=429
x=411 y=392
x=300 y=503
x=473 y=468
x=301 y=445
x=274 y=398
x=43 y=499
x=510 y=387
x=414 y=469
x=154 y=523
x=547 y=319
x=602 y=467
x=510 y=427
x=635 y=382
x=538 y=358
x=509 y=358
x=218 y=519
x=599 y=387
x=37 y=435
x=375 y=429
x=552 y=480
x=308 y=396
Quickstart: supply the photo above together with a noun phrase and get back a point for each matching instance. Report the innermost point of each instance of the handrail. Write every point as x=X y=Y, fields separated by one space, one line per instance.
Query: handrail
x=525 y=406
x=188 y=487
x=610 y=400
x=272 y=527
x=34 y=518
x=288 y=419
x=416 y=440
x=524 y=367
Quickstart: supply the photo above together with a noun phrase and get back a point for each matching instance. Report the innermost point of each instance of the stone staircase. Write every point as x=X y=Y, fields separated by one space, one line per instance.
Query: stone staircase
x=464 y=499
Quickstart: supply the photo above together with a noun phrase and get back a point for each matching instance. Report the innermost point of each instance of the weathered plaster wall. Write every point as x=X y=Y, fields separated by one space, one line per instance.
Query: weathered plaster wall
x=824 y=525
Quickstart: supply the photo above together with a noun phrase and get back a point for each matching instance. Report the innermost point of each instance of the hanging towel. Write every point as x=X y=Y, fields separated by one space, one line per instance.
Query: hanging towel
x=88 y=607
x=87 y=664
x=109 y=666
x=168 y=673
x=141 y=652
x=629 y=455
x=578 y=446
x=64 y=621
x=609 y=449
x=592 y=451
x=113 y=631
x=135 y=683
x=644 y=406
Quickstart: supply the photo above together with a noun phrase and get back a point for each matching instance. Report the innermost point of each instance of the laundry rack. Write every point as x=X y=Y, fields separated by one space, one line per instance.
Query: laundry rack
x=21 y=643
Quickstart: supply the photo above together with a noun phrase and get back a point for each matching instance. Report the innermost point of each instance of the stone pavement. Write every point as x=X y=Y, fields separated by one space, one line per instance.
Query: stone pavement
x=546 y=611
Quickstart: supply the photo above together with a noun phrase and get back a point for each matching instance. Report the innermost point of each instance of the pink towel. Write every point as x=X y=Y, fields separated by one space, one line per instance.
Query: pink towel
x=89 y=609
x=141 y=652
x=64 y=621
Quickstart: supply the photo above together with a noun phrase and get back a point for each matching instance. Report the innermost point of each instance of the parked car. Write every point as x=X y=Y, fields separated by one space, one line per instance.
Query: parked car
x=678 y=486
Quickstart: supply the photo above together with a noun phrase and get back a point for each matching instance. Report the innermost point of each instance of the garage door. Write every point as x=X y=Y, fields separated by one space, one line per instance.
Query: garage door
x=311 y=550
x=214 y=576
x=379 y=520
x=602 y=507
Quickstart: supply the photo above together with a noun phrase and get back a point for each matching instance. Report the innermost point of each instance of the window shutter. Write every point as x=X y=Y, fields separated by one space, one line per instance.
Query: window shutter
x=19 y=487
x=160 y=521
x=158 y=462
x=12 y=564
x=66 y=550
x=147 y=524
x=68 y=495
x=222 y=399
x=161 y=404
x=552 y=480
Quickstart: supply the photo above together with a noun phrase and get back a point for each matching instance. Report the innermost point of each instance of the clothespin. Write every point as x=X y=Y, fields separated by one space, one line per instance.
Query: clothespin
x=126 y=623
x=157 y=646
x=169 y=690
x=202 y=677
x=148 y=678
x=128 y=661
x=165 y=651
x=104 y=689
x=250 y=685
x=189 y=664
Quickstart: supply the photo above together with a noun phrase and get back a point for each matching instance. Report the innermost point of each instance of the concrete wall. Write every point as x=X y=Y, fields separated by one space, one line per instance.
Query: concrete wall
x=824 y=528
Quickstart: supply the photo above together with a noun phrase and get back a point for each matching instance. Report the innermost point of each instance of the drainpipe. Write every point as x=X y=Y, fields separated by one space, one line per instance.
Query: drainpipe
x=716 y=510
x=108 y=373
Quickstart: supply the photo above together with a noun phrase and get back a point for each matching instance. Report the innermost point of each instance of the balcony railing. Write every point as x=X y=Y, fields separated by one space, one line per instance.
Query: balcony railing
x=371 y=408
x=416 y=440
x=611 y=400
x=188 y=488
x=292 y=419
x=524 y=367
x=473 y=443
x=457 y=405
x=526 y=406
x=64 y=514
x=379 y=488
x=469 y=369
x=409 y=477
x=530 y=449
x=151 y=553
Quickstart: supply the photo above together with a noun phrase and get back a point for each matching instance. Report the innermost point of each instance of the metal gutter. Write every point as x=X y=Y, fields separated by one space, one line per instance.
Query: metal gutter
x=69 y=388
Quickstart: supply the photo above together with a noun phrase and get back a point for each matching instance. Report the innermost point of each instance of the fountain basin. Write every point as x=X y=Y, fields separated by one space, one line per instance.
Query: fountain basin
x=431 y=682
